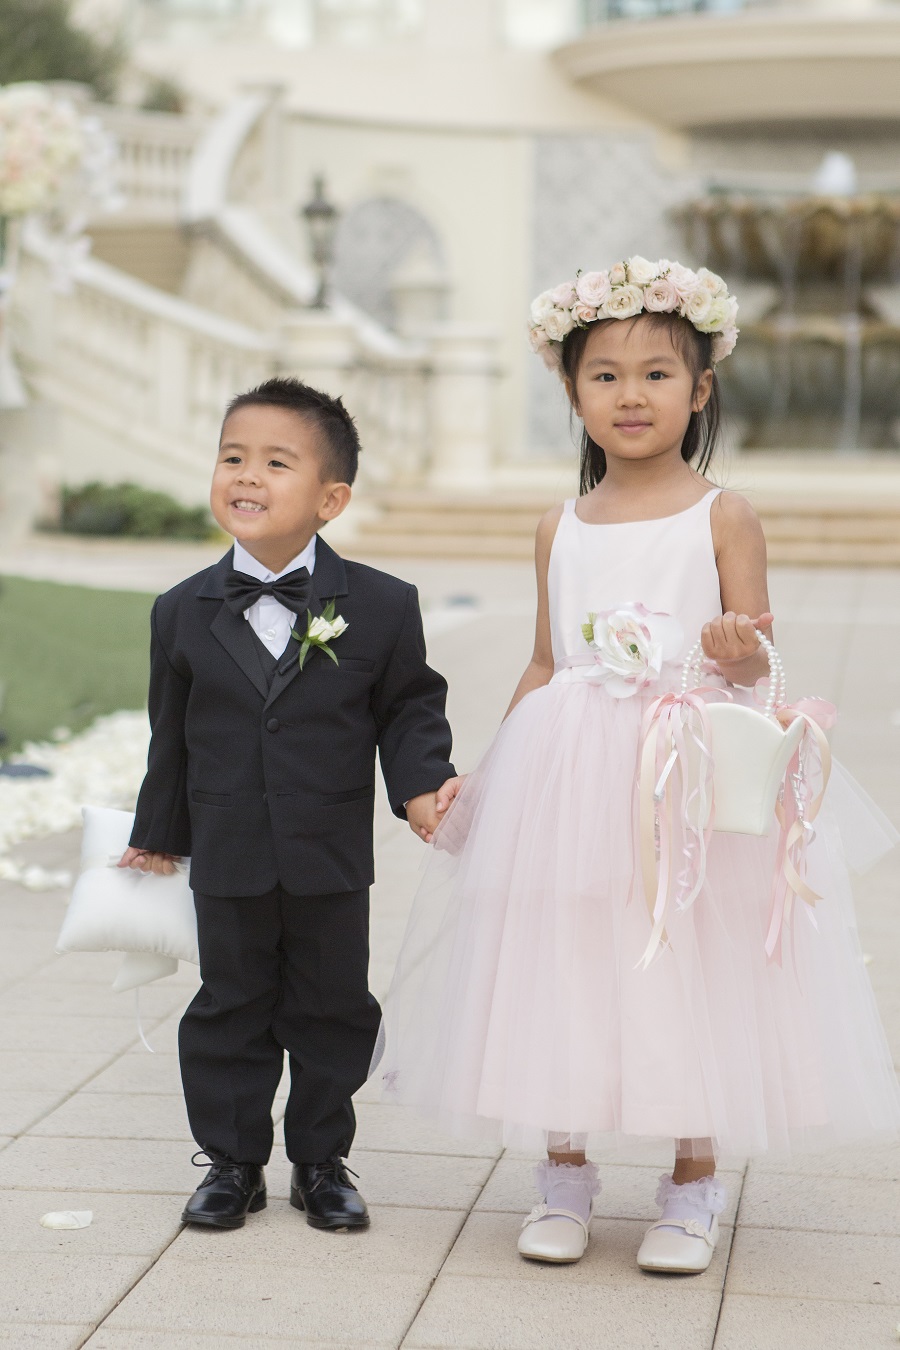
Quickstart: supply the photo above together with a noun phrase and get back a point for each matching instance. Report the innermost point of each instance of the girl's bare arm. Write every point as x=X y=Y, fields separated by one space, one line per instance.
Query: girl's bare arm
x=740 y=548
x=539 y=670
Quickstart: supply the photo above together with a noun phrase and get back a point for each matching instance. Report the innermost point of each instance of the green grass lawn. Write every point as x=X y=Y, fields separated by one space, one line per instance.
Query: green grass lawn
x=67 y=655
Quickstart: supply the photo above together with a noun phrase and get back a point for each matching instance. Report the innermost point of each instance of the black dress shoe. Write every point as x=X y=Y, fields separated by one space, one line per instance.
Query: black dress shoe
x=326 y=1193
x=227 y=1194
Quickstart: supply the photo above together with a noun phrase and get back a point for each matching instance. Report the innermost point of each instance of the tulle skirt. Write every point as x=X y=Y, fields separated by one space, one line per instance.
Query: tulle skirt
x=518 y=1009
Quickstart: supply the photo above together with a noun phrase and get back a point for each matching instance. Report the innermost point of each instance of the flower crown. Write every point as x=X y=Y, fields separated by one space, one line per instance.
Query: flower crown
x=626 y=290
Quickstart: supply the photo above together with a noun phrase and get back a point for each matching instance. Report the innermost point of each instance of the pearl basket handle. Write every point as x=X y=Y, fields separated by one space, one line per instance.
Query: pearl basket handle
x=690 y=673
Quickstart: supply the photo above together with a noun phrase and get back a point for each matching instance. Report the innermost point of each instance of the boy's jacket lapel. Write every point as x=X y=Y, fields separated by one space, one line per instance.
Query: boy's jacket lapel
x=233 y=630
x=329 y=581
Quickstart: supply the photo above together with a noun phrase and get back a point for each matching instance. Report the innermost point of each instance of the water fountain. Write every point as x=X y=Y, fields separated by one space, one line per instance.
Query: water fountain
x=818 y=363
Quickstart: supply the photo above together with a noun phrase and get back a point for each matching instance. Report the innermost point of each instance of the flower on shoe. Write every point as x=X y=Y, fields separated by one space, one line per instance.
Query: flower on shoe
x=630 y=645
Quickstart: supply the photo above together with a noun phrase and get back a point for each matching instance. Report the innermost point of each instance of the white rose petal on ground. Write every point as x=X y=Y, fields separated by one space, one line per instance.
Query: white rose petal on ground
x=103 y=766
x=67 y=1218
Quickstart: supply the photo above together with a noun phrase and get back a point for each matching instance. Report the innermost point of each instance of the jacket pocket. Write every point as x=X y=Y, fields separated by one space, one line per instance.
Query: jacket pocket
x=355 y=663
x=211 y=798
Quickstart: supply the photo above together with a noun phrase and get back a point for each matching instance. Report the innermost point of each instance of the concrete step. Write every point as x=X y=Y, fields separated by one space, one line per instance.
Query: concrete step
x=824 y=532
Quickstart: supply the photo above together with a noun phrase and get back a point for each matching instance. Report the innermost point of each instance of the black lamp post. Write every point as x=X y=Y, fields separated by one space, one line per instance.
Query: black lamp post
x=321 y=218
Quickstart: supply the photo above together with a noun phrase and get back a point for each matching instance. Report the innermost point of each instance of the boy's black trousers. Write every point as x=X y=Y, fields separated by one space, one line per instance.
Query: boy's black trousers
x=280 y=973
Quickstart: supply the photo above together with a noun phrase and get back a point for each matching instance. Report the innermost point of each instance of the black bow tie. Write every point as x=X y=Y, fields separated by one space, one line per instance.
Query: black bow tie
x=292 y=591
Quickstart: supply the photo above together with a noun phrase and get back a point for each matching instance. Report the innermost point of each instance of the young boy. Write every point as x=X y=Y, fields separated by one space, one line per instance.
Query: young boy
x=263 y=773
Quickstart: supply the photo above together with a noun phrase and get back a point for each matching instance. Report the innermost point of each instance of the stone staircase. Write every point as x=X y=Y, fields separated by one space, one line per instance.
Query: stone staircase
x=831 y=530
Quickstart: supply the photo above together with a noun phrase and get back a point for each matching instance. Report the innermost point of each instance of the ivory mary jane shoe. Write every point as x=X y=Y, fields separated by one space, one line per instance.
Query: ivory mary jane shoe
x=688 y=1252
x=556 y=1235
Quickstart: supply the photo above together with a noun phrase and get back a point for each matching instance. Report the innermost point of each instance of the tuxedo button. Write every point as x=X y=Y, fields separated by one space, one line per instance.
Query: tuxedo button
x=269 y=634
x=273 y=724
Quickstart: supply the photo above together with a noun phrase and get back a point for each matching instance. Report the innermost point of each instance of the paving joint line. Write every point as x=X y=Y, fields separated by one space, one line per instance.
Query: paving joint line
x=465 y=1219
x=734 y=1230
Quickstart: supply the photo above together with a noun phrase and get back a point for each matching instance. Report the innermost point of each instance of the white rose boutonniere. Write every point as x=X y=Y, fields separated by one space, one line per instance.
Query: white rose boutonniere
x=320 y=632
x=630 y=645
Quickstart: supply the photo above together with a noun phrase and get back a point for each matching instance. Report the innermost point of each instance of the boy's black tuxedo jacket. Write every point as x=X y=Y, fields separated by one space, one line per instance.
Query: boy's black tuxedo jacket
x=263 y=786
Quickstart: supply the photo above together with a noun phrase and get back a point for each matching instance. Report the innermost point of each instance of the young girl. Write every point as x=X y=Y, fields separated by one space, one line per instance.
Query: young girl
x=521 y=1007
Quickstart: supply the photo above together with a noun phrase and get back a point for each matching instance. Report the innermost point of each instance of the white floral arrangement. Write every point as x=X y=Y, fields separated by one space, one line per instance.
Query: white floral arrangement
x=630 y=646
x=630 y=288
x=42 y=141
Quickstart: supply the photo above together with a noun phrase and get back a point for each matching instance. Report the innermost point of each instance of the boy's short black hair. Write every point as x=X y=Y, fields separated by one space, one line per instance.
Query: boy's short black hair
x=339 y=445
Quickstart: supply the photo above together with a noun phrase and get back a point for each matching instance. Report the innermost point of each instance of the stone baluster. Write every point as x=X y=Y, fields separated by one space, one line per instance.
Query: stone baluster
x=464 y=374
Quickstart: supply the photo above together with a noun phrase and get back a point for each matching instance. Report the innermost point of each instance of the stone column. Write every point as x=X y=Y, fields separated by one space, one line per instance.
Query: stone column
x=463 y=414
x=319 y=349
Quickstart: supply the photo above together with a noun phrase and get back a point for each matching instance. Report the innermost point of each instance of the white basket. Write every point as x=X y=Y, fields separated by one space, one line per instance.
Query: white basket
x=750 y=748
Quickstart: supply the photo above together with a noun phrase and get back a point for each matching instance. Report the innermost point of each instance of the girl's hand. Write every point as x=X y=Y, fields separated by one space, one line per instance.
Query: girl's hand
x=140 y=860
x=732 y=638
x=448 y=793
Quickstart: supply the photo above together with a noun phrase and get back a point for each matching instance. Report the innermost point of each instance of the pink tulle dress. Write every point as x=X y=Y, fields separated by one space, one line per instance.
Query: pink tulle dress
x=519 y=1009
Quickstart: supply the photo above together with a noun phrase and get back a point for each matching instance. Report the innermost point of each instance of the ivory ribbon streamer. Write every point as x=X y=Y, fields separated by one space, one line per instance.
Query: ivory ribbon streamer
x=795 y=813
x=669 y=724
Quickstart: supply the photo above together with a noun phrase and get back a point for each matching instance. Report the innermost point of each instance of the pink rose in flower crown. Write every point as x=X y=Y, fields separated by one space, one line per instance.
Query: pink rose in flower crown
x=592 y=288
x=630 y=645
x=583 y=313
x=563 y=296
x=618 y=274
x=624 y=302
x=661 y=297
x=683 y=279
x=723 y=343
x=697 y=306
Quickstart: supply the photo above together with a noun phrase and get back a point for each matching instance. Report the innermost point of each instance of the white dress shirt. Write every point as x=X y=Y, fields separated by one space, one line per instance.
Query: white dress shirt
x=270 y=620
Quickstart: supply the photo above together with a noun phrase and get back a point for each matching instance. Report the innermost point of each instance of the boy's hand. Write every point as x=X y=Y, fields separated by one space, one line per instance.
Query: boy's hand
x=162 y=864
x=421 y=812
x=447 y=794
x=731 y=640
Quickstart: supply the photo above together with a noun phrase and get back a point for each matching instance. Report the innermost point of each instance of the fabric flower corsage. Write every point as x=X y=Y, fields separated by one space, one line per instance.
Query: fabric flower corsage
x=630 y=645
x=320 y=632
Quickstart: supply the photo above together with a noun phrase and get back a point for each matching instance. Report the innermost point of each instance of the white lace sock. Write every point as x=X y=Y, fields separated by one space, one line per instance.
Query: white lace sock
x=565 y=1186
x=698 y=1200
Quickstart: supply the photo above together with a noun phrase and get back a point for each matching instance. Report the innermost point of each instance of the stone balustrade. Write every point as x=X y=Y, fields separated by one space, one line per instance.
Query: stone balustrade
x=154 y=152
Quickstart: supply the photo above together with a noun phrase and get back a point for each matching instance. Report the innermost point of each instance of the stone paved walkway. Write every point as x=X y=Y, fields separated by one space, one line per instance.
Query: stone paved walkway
x=810 y=1258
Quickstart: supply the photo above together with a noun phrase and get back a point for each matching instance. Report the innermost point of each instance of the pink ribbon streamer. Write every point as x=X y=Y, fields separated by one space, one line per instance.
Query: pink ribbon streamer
x=669 y=724
x=795 y=813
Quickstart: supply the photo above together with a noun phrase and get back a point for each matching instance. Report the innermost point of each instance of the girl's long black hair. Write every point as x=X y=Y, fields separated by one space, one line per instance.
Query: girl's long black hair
x=703 y=429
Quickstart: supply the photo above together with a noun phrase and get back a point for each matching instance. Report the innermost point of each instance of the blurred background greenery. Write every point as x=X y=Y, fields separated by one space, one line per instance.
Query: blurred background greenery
x=68 y=654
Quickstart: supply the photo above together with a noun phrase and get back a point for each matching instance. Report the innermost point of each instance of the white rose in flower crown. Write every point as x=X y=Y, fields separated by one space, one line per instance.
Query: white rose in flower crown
x=717 y=318
x=661 y=296
x=618 y=274
x=711 y=281
x=624 y=302
x=723 y=343
x=563 y=295
x=630 y=645
x=696 y=306
x=541 y=306
x=583 y=313
x=537 y=339
x=592 y=288
x=558 y=323
x=641 y=271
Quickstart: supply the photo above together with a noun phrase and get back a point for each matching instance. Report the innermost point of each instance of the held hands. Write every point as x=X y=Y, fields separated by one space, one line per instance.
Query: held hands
x=140 y=860
x=732 y=643
x=425 y=813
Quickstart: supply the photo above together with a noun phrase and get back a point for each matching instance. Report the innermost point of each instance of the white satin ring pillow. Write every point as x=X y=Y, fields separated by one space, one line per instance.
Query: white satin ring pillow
x=121 y=910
